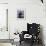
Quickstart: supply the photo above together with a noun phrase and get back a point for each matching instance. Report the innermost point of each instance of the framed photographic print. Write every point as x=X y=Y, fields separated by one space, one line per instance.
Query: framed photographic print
x=21 y=14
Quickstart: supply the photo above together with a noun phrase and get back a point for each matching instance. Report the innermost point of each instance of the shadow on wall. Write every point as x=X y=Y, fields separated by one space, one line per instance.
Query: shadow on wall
x=41 y=34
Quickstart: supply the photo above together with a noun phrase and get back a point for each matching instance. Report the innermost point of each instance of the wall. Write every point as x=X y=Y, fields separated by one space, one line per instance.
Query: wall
x=3 y=1
x=34 y=12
